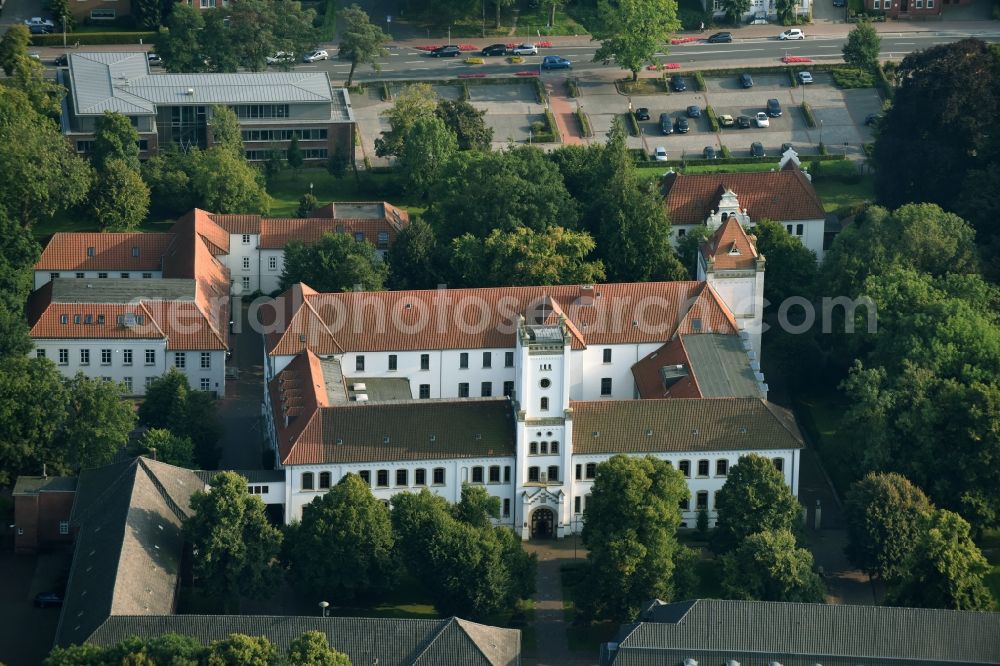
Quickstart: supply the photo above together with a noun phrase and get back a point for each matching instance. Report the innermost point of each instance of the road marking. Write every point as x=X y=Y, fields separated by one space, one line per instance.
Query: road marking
x=413 y=62
x=728 y=51
x=905 y=43
x=833 y=46
x=421 y=68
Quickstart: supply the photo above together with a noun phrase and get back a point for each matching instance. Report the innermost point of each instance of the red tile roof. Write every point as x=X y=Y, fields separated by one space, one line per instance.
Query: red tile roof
x=237 y=223
x=111 y=251
x=773 y=195
x=486 y=318
x=296 y=392
x=104 y=318
x=649 y=381
x=276 y=233
x=730 y=247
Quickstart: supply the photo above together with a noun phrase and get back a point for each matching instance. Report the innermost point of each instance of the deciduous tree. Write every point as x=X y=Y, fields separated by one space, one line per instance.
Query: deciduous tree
x=427 y=147
x=343 y=547
x=768 y=566
x=361 y=42
x=414 y=261
x=242 y=650
x=415 y=101
x=172 y=405
x=754 y=498
x=13 y=46
x=631 y=535
x=226 y=130
x=336 y=262
x=293 y=156
x=735 y=10
x=44 y=94
x=167 y=175
x=236 y=547
x=166 y=447
x=97 y=423
x=179 y=43
x=786 y=11
x=862 y=47
x=791 y=266
x=115 y=139
x=28 y=427
x=307 y=204
x=119 y=199
x=466 y=123
x=631 y=32
x=18 y=253
x=227 y=183
x=313 y=649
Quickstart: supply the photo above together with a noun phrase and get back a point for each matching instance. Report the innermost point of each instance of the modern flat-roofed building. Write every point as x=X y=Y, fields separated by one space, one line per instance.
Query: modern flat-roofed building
x=272 y=107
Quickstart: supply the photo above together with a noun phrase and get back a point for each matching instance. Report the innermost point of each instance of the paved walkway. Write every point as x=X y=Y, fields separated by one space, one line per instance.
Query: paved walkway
x=564 y=111
x=239 y=411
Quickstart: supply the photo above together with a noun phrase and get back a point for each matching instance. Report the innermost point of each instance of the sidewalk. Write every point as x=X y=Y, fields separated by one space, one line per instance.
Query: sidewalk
x=550 y=619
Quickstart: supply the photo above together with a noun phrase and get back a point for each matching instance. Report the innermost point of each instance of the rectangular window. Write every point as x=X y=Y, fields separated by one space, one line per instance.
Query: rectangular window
x=702 y=500
x=788 y=226
x=124 y=276
x=425 y=361
x=382 y=478
x=487 y=359
x=402 y=477
x=128 y=385
x=877 y=4
x=685 y=504
x=591 y=470
x=607 y=355
x=246 y=239
x=506 y=508
x=205 y=384
x=439 y=476
x=553 y=473
x=102 y=276
x=63 y=527
x=463 y=360
x=721 y=467
x=84 y=357
x=576 y=504
x=383 y=240
x=307 y=481
x=103 y=14
x=494 y=473
x=39 y=353
x=508 y=359
x=392 y=361
x=779 y=464
x=127 y=357
x=486 y=390
x=324 y=480
x=147 y=276
x=150 y=357
x=272 y=263
x=105 y=357
x=148 y=382
x=180 y=360
x=53 y=276
x=606 y=386
x=245 y=282
x=544 y=404
x=246 y=263
x=579 y=472
x=463 y=390
x=206 y=360
x=702 y=468
x=930 y=4
x=532 y=475
x=425 y=391
x=79 y=276
x=477 y=474
x=685 y=468
x=799 y=229
x=359 y=363
x=506 y=473
x=508 y=389
x=366 y=476
x=420 y=477
x=135 y=251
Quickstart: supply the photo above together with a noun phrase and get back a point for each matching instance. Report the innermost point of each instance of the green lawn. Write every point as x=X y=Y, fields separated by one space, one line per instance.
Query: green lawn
x=532 y=22
x=81 y=222
x=288 y=187
x=837 y=194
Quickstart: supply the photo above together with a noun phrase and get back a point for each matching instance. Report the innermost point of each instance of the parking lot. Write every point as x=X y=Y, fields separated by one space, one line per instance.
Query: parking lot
x=840 y=115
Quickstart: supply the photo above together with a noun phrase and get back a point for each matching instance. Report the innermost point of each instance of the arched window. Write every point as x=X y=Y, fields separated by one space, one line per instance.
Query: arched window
x=545 y=404
x=554 y=447
x=533 y=448
x=307 y=480
x=543 y=448
x=702 y=501
x=702 y=468
x=324 y=480
x=685 y=468
x=477 y=474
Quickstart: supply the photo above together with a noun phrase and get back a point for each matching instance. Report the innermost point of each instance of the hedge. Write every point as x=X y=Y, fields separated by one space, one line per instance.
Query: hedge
x=713 y=120
x=572 y=89
x=699 y=82
x=93 y=38
x=540 y=93
x=725 y=157
x=725 y=153
x=853 y=78
x=793 y=79
x=807 y=111
x=466 y=95
x=773 y=69
x=584 y=122
x=386 y=93
x=632 y=124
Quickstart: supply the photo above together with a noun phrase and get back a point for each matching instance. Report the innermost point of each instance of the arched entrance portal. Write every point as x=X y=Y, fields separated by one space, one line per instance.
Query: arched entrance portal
x=542 y=523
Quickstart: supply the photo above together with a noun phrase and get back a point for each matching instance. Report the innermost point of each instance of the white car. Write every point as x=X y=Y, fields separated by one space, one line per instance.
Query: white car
x=792 y=33
x=315 y=56
x=39 y=21
x=805 y=77
x=525 y=49
x=281 y=58
x=762 y=120
x=660 y=154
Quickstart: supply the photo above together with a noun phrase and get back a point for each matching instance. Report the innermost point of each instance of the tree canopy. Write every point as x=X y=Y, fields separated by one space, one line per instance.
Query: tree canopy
x=413 y=102
x=467 y=123
x=791 y=266
x=769 y=566
x=413 y=258
x=13 y=45
x=630 y=531
x=862 y=47
x=754 y=498
x=428 y=146
x=171 y=404
x=115 y=139
x=361 y=42
x=97 y=424
x=631 y=32
x=166 y=447
x=336 y=262
x=119 y=200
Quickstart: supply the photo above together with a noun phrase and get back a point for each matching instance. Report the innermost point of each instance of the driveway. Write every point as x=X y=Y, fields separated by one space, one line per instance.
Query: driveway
x=26 y=632
x=242 y=440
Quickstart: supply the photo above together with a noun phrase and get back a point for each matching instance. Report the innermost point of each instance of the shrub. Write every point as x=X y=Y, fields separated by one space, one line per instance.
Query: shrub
x=386 y=92
x=822 y=149
x=540 y=93
x=93 y=38
x=725 y=152
x=793 y=78
x=884 y=84
x=808 y=113
x=572 y=88
x=584 y=122
x=853 y=78
x=702 y=523
x=516 y=60
x=465 y=94
x=474 y=61
x=713 y=120
x=632 y=124
x=699 y=82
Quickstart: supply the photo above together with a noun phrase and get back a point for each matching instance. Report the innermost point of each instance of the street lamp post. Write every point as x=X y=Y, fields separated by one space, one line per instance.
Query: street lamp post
x=821 y=132
x=324 y=606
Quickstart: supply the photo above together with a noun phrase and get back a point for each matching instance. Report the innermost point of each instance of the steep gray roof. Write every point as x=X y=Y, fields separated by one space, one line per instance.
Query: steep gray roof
x=122 y=82
x=754 y=632
x=721 y=365
x=387 y=642
x=129 y=543
x=122 y=290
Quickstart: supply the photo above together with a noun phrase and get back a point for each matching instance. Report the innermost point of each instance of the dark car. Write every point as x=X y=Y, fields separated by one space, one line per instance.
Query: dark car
x=61 y=60
x=756 y=149
x=48 y=600
x=774 y=108
x=720 y=38
x=746 y=80
x=743 y=122
x=872 y=119
x=694 y=112
x=40 y=29
x=446 y=51
x=677 y=83
x=495 y=50
x=666 y=124
x=785 y=147
x=642 y=113
x=556 y=62
x=682 y=125
x=709 y=153
x=839 y=3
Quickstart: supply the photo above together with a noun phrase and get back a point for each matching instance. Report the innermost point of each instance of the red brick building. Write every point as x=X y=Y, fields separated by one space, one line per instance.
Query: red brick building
x=913 y=9
x=42 y=509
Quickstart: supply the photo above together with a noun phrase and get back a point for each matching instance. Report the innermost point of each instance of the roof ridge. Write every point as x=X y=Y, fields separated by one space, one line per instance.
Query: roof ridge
x=446 y=623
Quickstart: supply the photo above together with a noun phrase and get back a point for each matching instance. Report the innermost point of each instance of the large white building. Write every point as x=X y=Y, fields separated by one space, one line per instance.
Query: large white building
x=525 y=389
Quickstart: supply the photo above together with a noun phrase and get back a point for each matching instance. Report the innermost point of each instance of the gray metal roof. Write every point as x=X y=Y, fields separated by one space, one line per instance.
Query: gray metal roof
x=122 y=82
x=753 y=632
x=380 y=389
x=382 y=641
x=251 y=475
x=32 y=485
x=121 y=290
x=721 y=366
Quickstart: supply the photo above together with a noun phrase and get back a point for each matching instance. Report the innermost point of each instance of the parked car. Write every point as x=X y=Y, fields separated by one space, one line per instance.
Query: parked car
x=154 y=59
x=316 y=56
x=762 y=120
x=281 y=58
x=720 y=38
x=694 y=111
x=677 y=83
x=40 y=29
x=495 y=50
x=872 y=119
x=48 y=600
x=792 y=33
x=709 y=153
x=746 y=80
x=524 y=49
x=682 y=125
x=774 y=108
x=743 y=122
x=642 y=113
x=757 y=149
x=61 y=60
x=785 y=147
x=666 y=124
x=726 y=120
x=805 y=77
x=38 y=20
x=448 y=51
x=556 y=62
x=660 y=154
x=839 y=3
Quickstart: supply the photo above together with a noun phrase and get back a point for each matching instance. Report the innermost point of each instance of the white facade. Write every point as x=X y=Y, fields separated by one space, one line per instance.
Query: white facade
x=41 y=277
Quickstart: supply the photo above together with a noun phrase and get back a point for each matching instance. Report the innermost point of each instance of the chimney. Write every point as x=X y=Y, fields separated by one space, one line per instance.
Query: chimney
x=152 y=452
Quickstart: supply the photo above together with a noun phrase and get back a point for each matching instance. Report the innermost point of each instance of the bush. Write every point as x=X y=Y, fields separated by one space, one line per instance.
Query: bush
x=725 y=152
x=465 y=95
x=713 y=120
x=808 y=113
x=572 y=88
x=540 y=93
x=386 y=92
x=632 y=124
x=884 y=85
x=515 y=60
x=822 y=149
x=474 y=61
x=699 y=82
x=93 y=38
x=793 y=78
x=853 y=78
x=584 y=122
